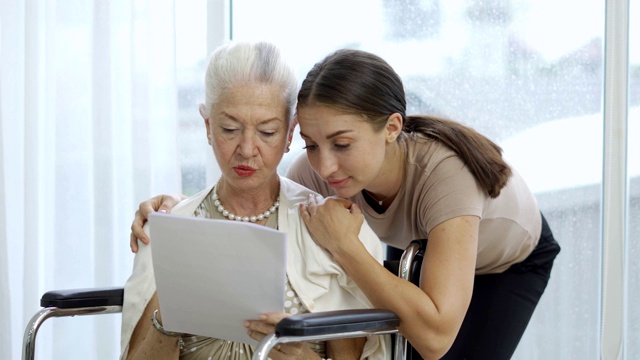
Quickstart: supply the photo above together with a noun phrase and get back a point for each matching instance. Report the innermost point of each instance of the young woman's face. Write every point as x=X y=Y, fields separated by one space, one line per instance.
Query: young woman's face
x=342 y=147
x=248 y=132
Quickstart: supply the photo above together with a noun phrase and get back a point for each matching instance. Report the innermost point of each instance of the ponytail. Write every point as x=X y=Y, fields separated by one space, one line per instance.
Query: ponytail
x=481 y=155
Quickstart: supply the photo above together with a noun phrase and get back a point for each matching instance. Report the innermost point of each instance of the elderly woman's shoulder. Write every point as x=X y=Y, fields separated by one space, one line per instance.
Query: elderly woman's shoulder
x=189 y=205
x=293 y=192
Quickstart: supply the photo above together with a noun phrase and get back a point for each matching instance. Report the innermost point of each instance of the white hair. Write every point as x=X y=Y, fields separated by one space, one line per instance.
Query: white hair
x=247 y=62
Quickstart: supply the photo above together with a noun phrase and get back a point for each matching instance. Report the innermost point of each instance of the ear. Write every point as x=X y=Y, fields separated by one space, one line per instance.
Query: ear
x=207 y=124
x=203 y=111
x=393 y=127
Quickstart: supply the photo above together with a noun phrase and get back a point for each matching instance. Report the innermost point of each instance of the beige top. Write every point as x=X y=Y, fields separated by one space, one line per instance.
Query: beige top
x=437 y=187
x=202 y=347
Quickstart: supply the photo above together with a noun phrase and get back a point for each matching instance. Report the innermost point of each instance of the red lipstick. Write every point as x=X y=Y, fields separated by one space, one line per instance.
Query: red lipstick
x=243 y=170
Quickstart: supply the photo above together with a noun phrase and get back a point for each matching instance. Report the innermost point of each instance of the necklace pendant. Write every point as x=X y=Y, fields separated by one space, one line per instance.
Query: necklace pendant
x=380 y=202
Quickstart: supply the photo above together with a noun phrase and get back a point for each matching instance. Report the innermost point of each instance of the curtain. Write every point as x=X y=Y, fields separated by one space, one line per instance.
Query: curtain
x=87 y=123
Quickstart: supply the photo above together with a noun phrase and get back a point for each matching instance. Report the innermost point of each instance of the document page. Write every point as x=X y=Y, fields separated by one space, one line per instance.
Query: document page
x=212 y=275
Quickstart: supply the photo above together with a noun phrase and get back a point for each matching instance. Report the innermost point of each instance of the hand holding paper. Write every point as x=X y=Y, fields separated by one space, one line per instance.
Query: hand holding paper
x=212 y=275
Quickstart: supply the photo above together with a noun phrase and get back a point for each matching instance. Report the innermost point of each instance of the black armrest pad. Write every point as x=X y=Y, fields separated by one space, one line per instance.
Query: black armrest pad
x=341 y=321
x=82 y=298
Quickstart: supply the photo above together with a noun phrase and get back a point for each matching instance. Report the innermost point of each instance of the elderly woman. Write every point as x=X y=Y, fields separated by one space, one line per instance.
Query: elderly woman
x=249 y=120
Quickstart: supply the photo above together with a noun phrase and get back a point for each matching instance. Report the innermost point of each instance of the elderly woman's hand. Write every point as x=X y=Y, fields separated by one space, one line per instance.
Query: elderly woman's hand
x=332 y=221
x=258 y=329
x=160 y=203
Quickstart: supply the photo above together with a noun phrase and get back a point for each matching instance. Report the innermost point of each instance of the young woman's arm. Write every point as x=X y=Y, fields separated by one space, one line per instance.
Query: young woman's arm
x=430 y=315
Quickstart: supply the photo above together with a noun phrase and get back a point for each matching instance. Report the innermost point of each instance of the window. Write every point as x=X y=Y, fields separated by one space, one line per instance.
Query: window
x=191 y=62
x=518 y=73
x=633 y=171
x=90 y=92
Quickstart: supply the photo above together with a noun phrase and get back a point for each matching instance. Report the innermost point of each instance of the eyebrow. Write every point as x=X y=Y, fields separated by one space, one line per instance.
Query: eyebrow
x=330 y=136
x=231 y=117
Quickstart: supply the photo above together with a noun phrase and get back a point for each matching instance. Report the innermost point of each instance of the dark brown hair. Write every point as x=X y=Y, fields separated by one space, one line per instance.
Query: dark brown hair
x=363 y=83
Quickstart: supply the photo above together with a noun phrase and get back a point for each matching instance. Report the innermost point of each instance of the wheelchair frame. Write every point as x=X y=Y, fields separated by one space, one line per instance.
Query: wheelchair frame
x=321 y=326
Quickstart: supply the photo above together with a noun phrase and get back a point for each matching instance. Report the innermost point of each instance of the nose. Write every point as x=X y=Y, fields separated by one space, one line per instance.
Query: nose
x=248 y=144
x=327 y=164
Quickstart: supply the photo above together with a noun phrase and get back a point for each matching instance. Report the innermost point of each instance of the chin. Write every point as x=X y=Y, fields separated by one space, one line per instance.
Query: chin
x=346 y=193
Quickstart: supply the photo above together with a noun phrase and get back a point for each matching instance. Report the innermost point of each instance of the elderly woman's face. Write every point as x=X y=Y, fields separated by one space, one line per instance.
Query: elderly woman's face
x=248 y=132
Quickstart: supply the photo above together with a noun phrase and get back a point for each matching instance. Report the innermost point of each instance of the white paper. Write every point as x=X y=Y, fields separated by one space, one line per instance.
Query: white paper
x=212 y=275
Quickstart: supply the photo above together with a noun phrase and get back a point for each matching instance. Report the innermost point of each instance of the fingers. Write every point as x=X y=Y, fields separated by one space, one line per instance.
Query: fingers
x=258 y=329
x=160 y=203
x=291 y=350
x=346 y=203
x=307 y=209
x=263 y=326
x=330 y=202
x=316 y=201
x=137 y=233
x=355 y=209
x=266 y=324
x=273 y=318
x=133 y=243
x=149 y=206
x=312 y=203
x=163 y=203
x=167 y=205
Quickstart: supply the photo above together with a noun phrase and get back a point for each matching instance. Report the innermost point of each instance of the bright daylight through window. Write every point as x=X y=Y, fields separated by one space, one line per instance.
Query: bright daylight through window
x=514 y=70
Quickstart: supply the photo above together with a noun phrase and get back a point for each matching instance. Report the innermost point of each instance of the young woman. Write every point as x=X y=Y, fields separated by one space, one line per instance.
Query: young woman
x=489 y=251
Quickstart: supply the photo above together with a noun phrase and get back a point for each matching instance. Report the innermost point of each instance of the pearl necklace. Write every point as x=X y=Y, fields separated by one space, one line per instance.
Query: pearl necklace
x=232 y=216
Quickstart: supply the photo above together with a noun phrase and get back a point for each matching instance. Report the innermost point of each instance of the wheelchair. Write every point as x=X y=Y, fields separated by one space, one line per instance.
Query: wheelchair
x=320 y=326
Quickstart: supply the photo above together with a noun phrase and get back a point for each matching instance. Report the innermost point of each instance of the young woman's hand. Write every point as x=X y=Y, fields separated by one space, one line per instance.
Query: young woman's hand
x=160 y=203
x=332 y=221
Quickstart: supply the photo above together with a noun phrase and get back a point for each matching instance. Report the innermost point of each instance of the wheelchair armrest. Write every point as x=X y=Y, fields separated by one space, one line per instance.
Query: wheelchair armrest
x=71 y=302
x=328 y=325
x=83 y=298
x=339 y=321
